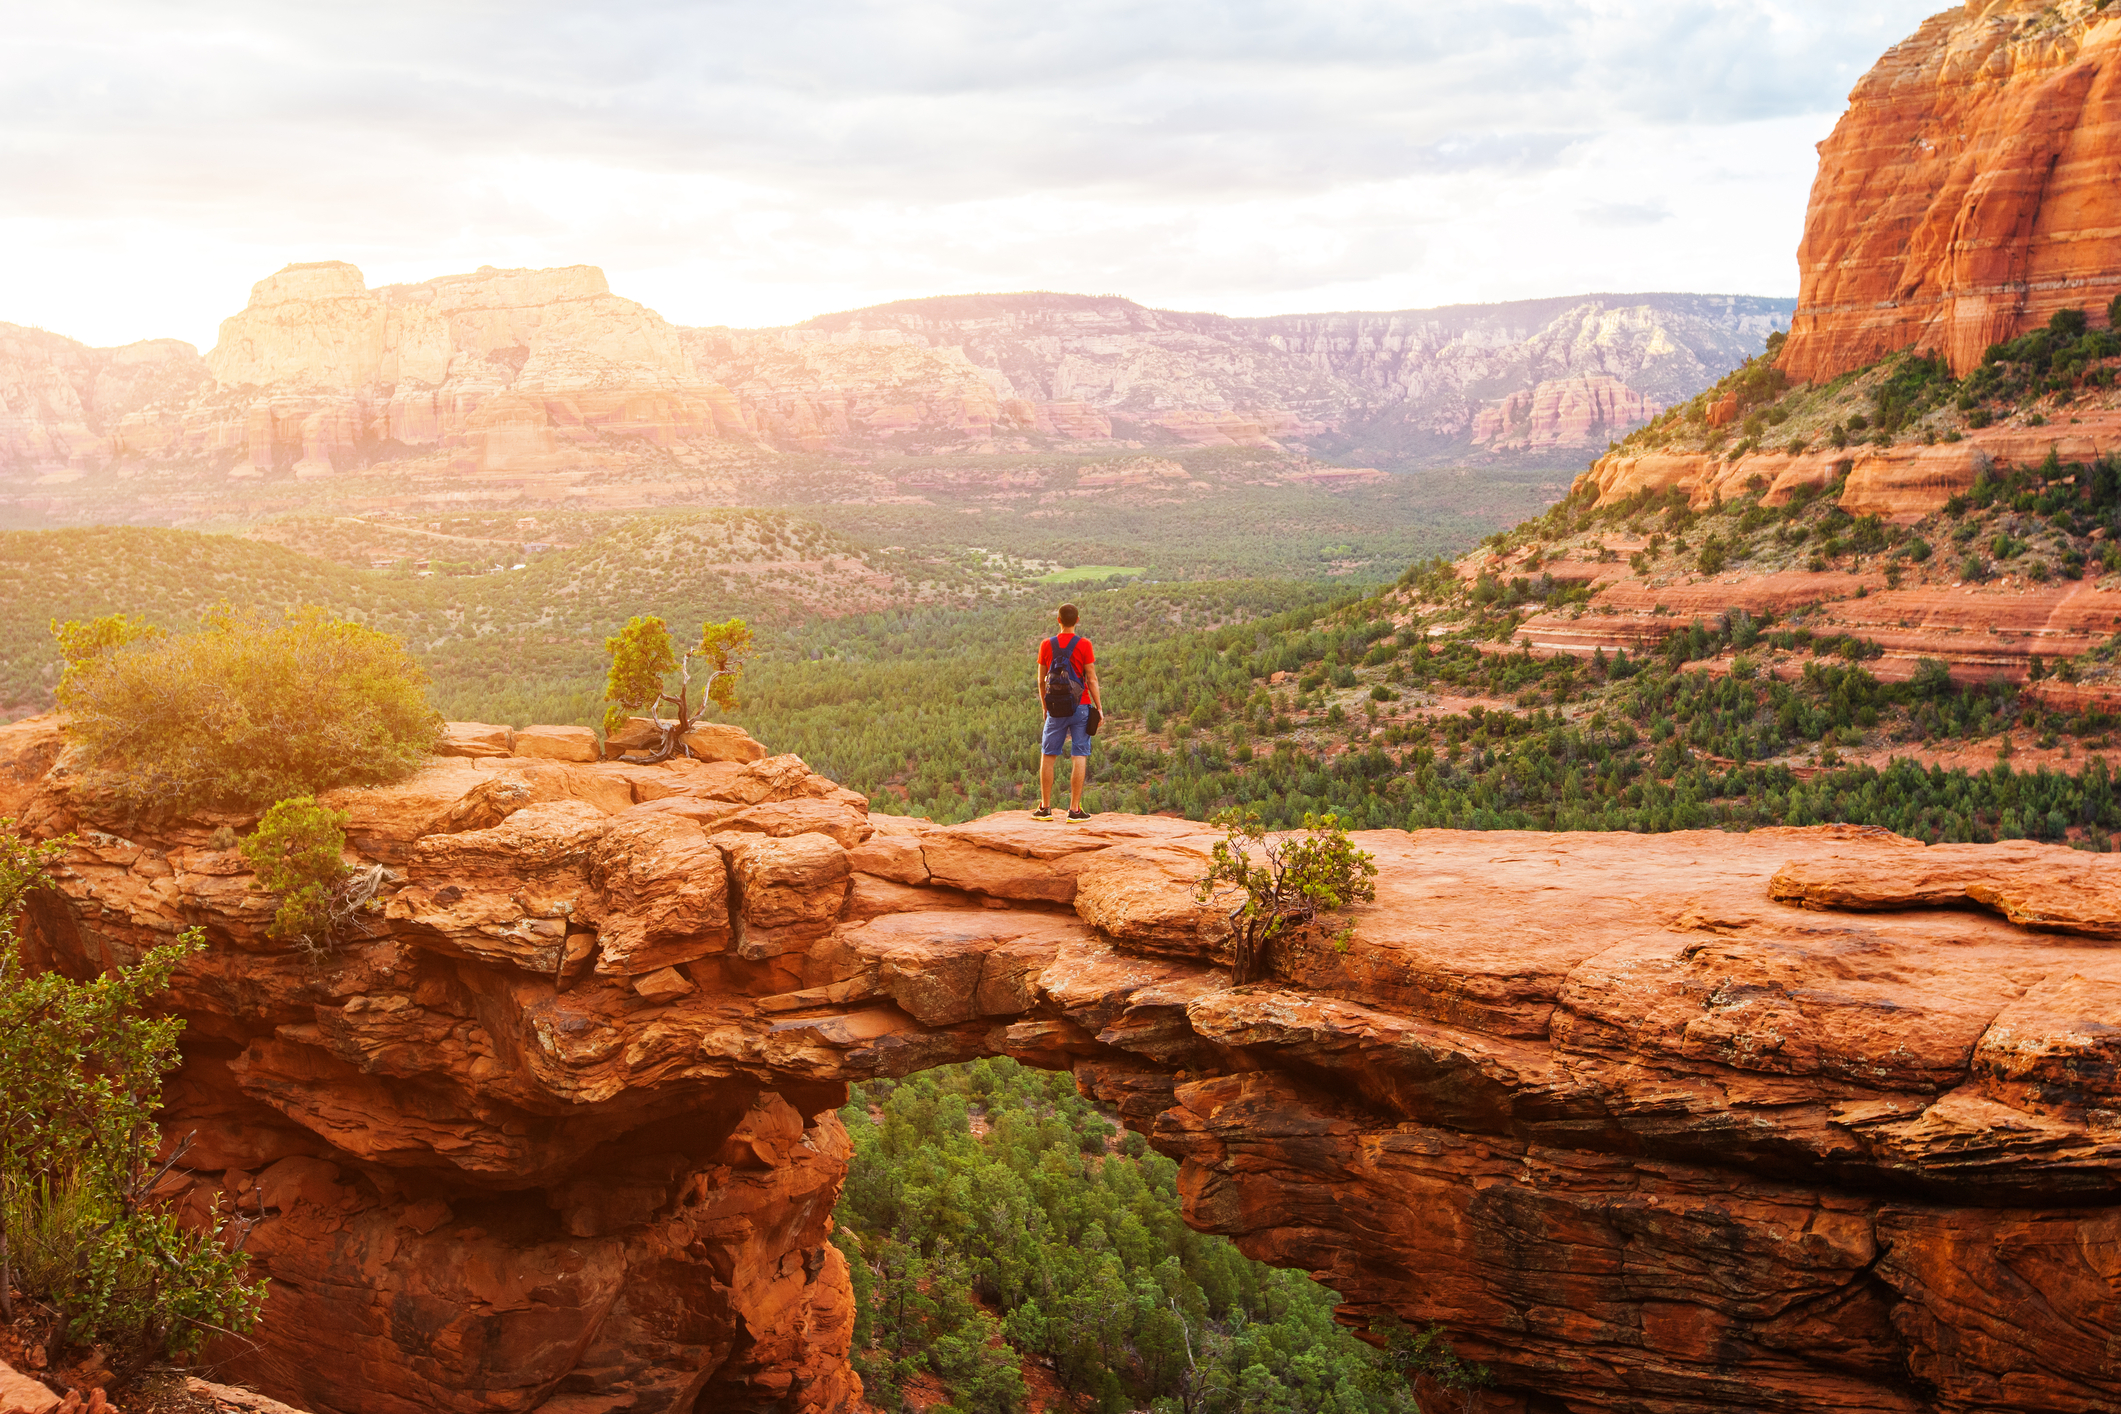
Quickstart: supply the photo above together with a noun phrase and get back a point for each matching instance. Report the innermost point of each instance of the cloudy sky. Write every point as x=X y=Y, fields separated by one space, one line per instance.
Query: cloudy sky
x=762 y=162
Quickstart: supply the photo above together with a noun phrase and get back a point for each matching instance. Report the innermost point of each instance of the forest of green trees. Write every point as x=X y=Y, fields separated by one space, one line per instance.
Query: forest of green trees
x=993 y=1217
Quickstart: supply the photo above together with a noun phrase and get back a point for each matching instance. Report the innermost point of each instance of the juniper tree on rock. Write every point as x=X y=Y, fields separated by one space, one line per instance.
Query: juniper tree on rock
x=642 y=662
x=1286 y=887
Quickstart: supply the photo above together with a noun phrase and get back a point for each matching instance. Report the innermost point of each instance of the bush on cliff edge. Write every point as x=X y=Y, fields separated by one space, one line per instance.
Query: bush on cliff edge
x=248 y=710
x=82 y=1234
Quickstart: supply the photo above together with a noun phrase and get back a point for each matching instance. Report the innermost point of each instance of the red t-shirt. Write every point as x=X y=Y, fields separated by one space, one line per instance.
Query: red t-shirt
x=1080 y=656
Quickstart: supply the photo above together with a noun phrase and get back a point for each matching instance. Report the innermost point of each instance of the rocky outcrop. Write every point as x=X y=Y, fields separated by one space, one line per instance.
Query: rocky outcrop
x=1982 y=632
x=1795 y=1120
x=61 y=401
x=497 y=371
x=1569 y=412
x=1907 y=480
x=1967 y=193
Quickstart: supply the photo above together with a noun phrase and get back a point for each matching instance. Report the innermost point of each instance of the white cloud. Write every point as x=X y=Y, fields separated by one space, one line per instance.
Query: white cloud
x=757 y=164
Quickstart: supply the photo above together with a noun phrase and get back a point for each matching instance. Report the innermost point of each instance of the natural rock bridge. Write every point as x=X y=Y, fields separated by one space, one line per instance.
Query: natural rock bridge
x=1794 y=1120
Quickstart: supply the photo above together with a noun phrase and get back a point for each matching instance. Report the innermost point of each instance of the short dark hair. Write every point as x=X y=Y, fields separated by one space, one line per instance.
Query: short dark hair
x=1068 y=616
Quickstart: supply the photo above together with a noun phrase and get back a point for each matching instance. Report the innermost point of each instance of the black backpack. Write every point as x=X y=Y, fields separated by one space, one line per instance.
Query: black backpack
x=1063 y=689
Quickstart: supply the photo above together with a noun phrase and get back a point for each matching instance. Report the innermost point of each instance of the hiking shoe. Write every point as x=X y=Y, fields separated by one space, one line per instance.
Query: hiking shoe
x=1077 y=817
x=1044 y=815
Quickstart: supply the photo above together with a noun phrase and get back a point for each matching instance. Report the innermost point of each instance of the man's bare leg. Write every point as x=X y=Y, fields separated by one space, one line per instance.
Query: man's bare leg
x=1045 y=782
x=1076 y=776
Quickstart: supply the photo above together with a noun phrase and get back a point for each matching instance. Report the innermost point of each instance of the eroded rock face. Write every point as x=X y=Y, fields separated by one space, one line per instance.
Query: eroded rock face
x=1795 y=1120
x=1967 y=193
x=1983 y=633
x=61 y=401
x=507 y=383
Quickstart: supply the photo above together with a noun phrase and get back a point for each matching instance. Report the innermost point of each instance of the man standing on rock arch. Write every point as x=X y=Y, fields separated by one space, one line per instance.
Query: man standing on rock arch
x=1068 y=695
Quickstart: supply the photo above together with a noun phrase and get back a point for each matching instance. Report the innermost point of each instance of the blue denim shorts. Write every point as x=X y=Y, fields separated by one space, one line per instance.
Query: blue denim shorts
x=1060 y=729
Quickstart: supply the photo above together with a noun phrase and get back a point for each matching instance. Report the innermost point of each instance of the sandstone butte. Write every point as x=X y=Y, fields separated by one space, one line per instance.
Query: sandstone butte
x=1798 y=1120
x=1968 y=192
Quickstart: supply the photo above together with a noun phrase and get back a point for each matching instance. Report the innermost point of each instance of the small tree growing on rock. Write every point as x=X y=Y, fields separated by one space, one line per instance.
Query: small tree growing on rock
x=642 y=661
x=298 y=853
x=81 y=1067
x=1293 y=881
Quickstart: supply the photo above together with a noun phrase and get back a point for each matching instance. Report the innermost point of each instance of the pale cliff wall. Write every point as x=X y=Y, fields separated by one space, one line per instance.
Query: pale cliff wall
x=501 y=374
x=61 y=401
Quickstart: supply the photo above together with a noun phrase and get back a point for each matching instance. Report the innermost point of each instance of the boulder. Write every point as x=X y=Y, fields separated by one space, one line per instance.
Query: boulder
x=475 y=739
x=892 y=851
x=719 y=741
x=19 y=1394
x=638 y=734
x=557 y=743
x=659 y=895
x=1147 y=899
x=662 y=985
x=505 y=893
x=787 y=887
x=838 y=819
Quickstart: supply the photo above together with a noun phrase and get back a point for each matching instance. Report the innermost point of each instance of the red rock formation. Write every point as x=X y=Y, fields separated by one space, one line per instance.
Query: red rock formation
x=504 y=383
x=1796 y=1120
x=61 y=401
x=1906 y=480
x=1983 y=633
x=1562 y=412
x=1967 y=193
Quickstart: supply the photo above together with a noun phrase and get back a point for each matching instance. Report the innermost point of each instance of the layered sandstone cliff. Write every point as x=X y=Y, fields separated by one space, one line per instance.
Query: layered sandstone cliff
x=1795 y=1120
x=496 y=371
x=1967 y=193
x=60 y=401
x=513 y=381
x=1408 y=387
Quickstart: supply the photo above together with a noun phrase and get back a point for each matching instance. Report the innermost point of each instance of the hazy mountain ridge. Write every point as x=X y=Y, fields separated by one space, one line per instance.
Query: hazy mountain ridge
x=1403 y=387
x=538 y=385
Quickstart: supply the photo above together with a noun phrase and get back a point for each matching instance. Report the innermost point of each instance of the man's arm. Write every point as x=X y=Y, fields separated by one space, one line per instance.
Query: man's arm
x=1090 y=688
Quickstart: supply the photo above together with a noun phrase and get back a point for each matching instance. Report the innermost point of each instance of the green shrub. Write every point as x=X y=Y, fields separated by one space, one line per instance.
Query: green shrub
x=81 y=1070
x=297 y=853
x=1292 y=882
x=642 y=661
x=247 y=710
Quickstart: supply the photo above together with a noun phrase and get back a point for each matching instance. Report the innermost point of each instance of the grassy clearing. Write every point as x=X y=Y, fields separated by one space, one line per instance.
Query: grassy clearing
x=1082 y=573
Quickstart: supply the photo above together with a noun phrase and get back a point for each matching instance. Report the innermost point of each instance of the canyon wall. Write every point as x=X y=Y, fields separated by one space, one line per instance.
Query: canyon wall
x=511 y=380
x=1794 y=1120
x=1968 y=192
x=60 y=401
x=1412 y=387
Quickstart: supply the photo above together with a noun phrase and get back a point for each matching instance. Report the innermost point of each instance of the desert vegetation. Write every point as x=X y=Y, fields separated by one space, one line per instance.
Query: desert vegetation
x=997 y=1224
x=248 y=709
x=645 y=667
x=1909 y=397
x=87 y=1254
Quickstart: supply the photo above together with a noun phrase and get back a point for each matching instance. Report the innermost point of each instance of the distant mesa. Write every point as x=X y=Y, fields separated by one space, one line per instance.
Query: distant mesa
x=495 y=376
x=1968 y=193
